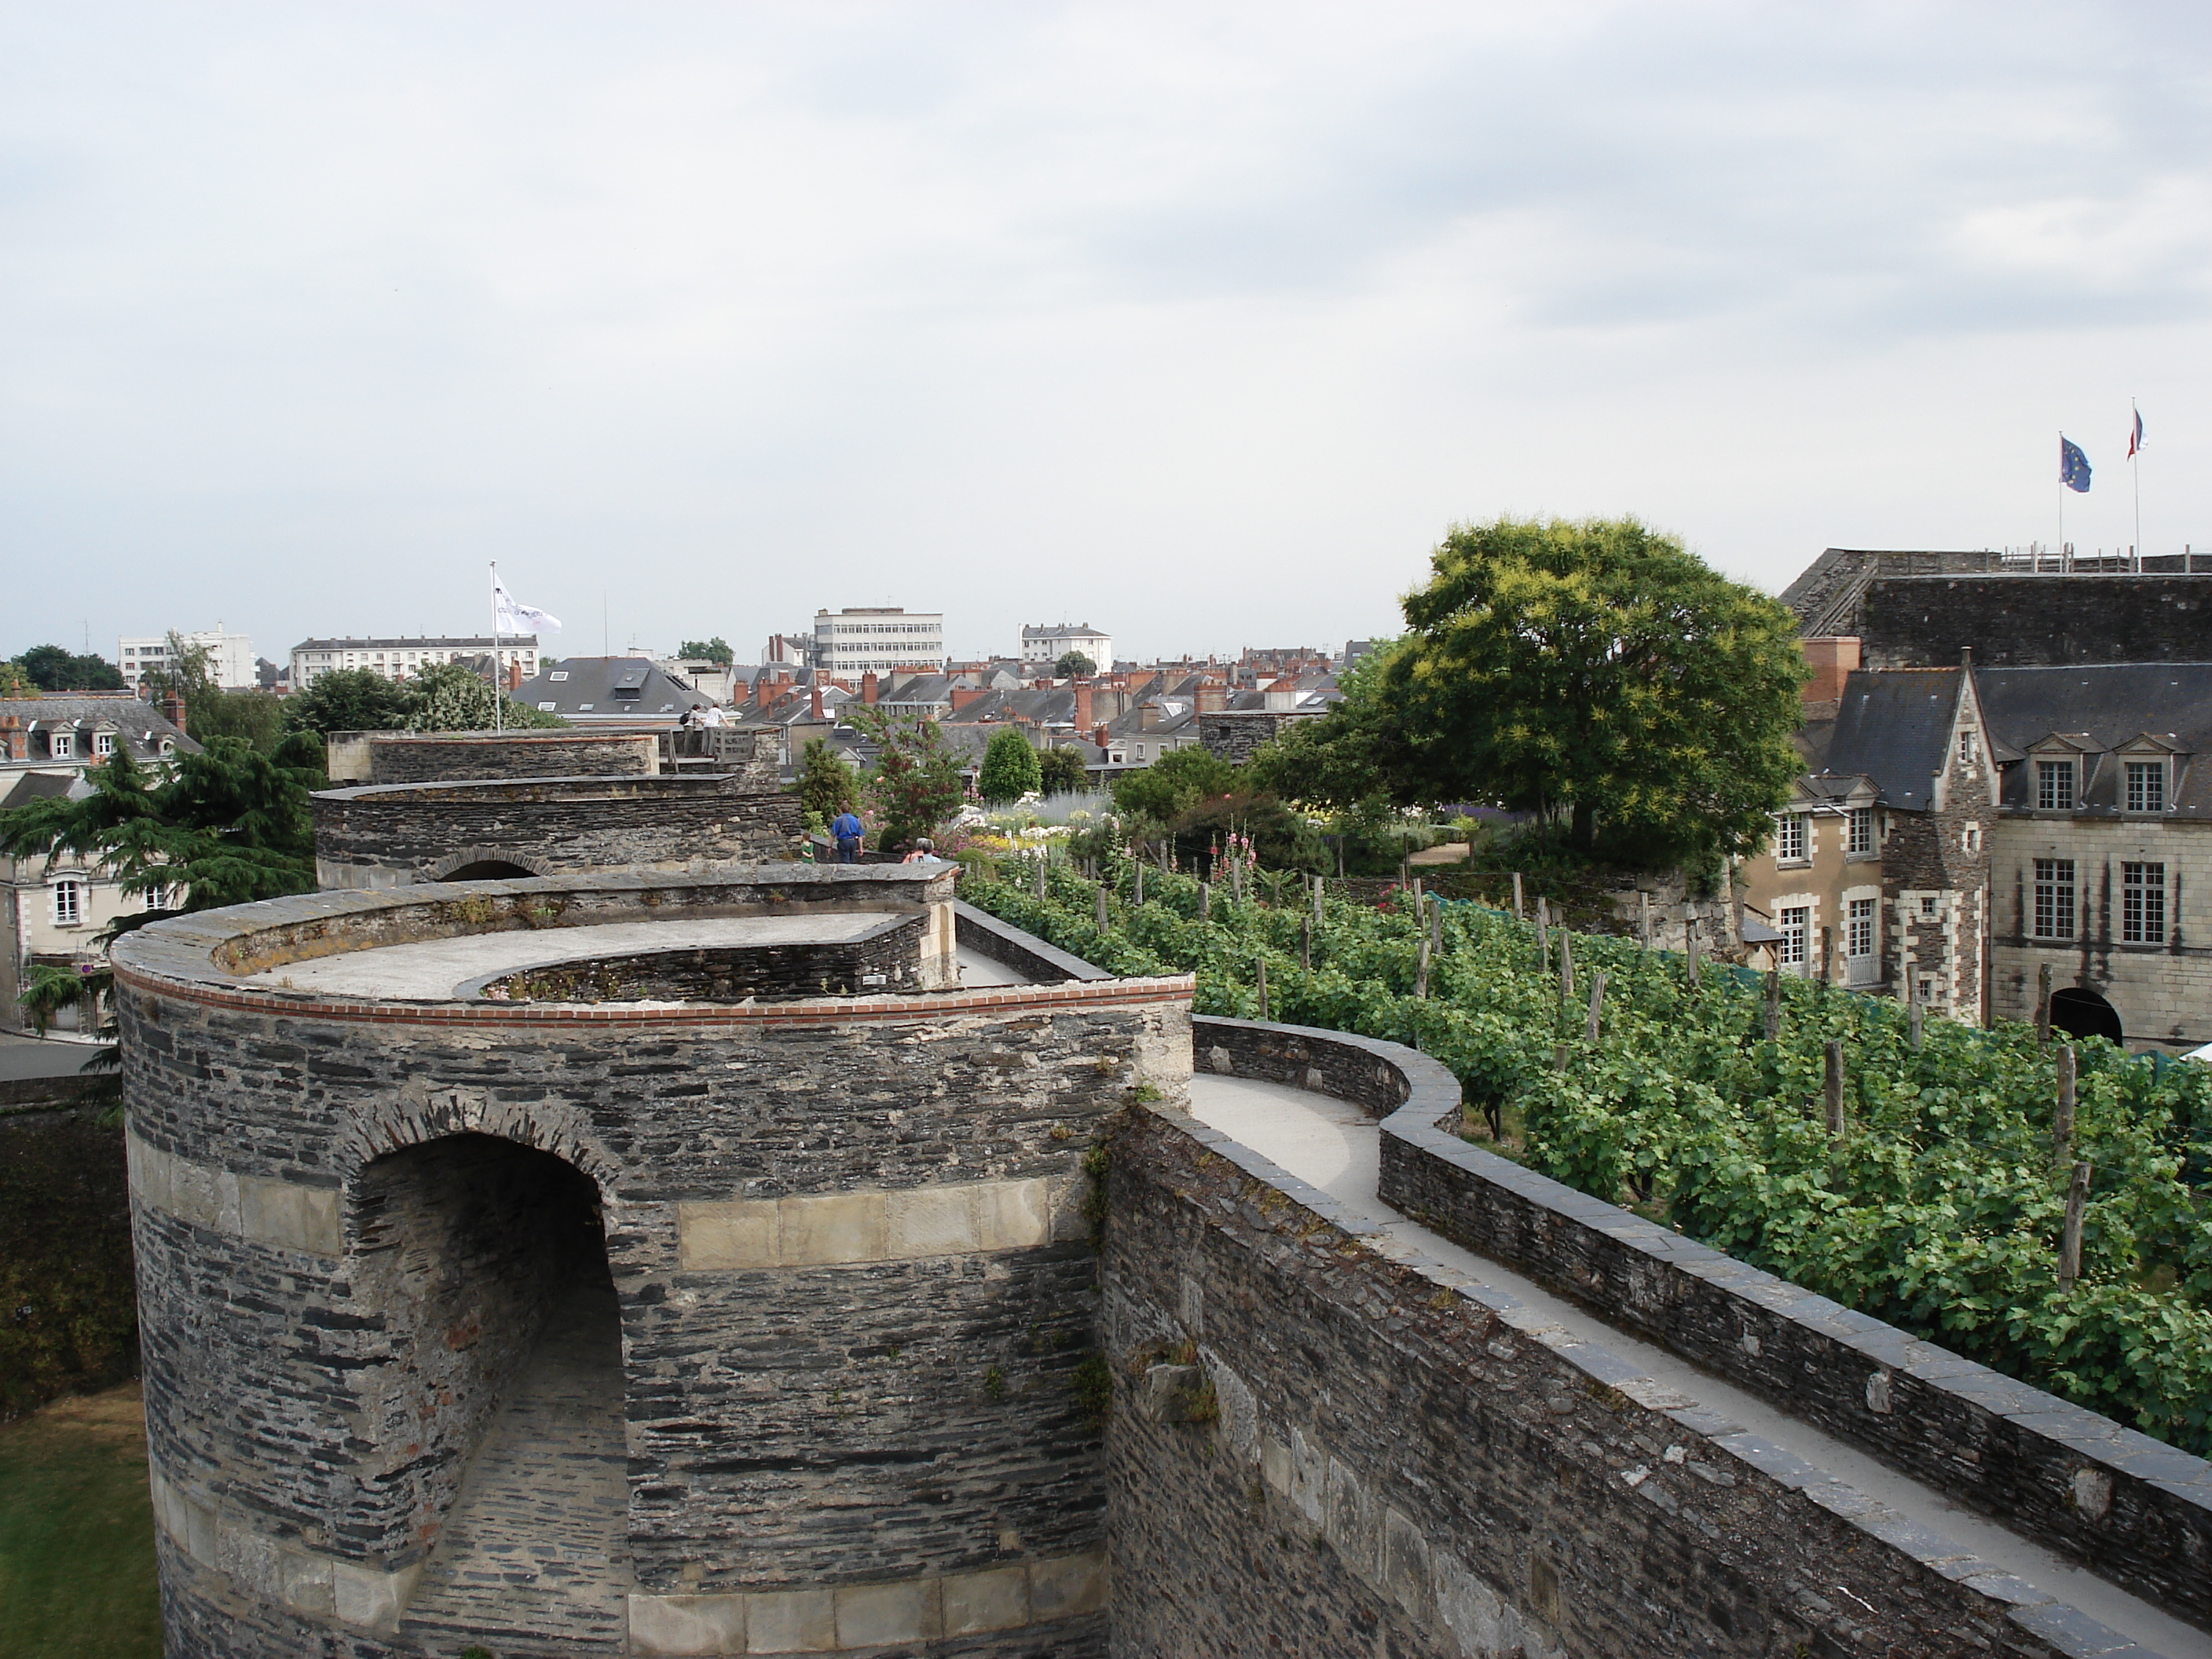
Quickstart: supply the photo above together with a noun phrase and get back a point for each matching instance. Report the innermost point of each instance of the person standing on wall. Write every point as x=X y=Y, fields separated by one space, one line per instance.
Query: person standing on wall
x=848 y=829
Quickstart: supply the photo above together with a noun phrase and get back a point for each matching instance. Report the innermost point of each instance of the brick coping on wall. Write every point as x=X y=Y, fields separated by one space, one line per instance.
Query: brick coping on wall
x=179 y=958
x=579 y=787
x=2108 y=1493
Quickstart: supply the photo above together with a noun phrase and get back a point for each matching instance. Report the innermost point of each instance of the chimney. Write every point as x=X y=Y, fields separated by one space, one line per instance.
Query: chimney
x=814 y=702
x=1099 y=736
x=514 y=678
x=15 y=741
x=964 y=695
x=1832 y=659
x=173 y=710
x=1082 y=695
x=1148 y=717
x=1282 y=694
x=869 y=688
x=1212 y=697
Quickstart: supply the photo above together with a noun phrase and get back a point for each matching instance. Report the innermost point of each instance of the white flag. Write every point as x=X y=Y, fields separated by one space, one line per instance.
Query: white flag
x=516 y=618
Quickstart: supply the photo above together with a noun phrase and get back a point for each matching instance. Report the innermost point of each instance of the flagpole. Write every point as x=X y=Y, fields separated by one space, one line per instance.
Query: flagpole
x=2062 y=503
x=2135 y=473
x=498 y=708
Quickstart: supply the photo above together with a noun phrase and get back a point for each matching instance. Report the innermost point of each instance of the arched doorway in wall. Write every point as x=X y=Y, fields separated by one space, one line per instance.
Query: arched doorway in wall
x=500 y=1416
x=489 y=869
x=2083 y=1013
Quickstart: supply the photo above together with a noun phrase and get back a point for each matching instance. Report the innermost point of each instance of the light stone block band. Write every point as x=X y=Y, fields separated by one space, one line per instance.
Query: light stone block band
x=260 y=1208
x=858 y=1616
x=903 y=1225
x=307 y=1581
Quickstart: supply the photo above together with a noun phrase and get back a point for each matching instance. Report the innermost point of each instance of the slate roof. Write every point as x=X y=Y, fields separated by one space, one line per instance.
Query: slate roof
x=24 y=787
x=592 y=691
x=1893 y=724
x=2101 y=707
x=142 y=726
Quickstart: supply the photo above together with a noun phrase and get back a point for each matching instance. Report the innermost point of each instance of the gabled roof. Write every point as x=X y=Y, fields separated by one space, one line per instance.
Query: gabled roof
x=1894 y=725
x=590 y=689
x=2106 y=703
x=142 y=727
x=21 y=788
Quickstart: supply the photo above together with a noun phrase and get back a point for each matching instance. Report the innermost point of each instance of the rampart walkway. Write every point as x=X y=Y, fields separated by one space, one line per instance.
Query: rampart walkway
x=1334 y=1145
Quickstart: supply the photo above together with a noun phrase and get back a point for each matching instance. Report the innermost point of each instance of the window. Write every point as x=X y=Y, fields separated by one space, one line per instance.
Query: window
x=1789 y=838
x=1969 y=750
x=2054 y=898
x=2143 y=903
x=559 y=674
x=1927 y=905
x=61 y=746
x=1861 y=830
x=1858 y=936
x=547 y=708
x=2145 y=786
x=103 y=743
x=1796 y=922
x=1970 y=838
x=2054 y=786
x=1927 y=990
x=168 y=746
x=68 y=903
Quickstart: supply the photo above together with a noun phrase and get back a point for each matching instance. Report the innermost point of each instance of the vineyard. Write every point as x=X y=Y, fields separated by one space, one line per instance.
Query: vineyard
x=1939 y=1206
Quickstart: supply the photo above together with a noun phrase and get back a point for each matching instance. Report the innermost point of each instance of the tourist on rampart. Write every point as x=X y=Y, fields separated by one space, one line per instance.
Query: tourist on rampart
x=847 y=830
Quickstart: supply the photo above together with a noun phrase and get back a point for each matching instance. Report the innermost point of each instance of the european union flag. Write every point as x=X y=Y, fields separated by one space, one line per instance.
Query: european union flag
x=2073 y=465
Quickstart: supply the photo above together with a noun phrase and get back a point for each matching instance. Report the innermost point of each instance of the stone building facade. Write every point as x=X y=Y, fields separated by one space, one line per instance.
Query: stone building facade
x=818 y=1271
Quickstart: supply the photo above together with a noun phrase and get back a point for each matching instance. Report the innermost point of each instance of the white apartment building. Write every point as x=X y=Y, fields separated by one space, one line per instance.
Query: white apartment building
x=398 y=658
x=855 y=640
x=1045 y=645
x=230 y=656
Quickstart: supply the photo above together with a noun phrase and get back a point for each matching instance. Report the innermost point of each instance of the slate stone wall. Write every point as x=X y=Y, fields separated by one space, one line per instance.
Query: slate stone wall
x=1323 y=1445
x=1234 y=733
x=882 y=1402
x=888 y=959
x=2031 y=622
x=389 y=835
x=426 y=757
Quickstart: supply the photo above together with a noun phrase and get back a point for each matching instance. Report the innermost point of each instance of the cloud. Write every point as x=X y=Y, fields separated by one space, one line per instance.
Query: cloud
x=1201 y=322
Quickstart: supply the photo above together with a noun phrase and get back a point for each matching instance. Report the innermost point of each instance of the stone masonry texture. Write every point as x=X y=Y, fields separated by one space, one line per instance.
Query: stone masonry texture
x=421 y=756
x=2031 y=621
x=800 y=1432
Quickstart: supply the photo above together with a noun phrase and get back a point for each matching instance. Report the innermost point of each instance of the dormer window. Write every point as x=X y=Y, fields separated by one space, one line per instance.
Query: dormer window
x=103 y=743
x=2145 y=786
x=61 y=745
x=2054 y=786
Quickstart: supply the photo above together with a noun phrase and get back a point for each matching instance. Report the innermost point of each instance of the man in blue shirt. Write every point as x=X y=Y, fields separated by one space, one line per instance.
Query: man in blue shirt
x=847 y=830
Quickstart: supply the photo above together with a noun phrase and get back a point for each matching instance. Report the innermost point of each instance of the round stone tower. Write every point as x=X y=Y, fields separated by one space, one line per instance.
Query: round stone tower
x=624 y=1264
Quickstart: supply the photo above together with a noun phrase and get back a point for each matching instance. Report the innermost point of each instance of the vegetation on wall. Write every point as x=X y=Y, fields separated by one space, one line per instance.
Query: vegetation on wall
x=1939 y=1208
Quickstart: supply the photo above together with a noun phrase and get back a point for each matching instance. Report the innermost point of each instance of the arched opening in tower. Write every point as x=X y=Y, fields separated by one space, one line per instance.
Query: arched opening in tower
x=489 y=869
x=500 y=1414
x=2082 y=1013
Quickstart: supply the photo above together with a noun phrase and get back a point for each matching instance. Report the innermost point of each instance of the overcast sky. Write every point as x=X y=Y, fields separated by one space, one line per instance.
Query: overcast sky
x=1199 y=323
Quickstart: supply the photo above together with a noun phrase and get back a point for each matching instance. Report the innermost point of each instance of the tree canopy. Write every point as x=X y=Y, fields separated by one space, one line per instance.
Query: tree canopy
x=915 y=787
x=1596 y=669
x=1073 y=665
x=225 y=826
x=56 y=668
x=1172 y=785
x=1009 y=768
x=715 y=650
x=1060 y=771
x=347 y=700
x=827 y=785
x=438 y=697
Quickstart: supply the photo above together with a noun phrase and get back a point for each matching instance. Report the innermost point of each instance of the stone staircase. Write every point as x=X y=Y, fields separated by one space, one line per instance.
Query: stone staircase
x=534 y=1558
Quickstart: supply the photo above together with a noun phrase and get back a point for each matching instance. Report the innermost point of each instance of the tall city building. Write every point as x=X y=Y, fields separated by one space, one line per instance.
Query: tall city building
x=859 y=638
x=230 y=656
x=397 y=658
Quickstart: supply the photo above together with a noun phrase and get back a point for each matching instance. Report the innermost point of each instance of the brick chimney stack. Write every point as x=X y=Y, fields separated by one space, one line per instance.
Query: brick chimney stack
x=1832 y=659
x=173 y=710
x=963 y=694
x=870 y=688
x=1083 y=700
x=1098 y=736
x=14 y=738
x=814 y=702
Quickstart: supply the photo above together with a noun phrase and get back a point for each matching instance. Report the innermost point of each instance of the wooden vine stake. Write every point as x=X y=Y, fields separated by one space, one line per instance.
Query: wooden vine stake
x=2043 y=1002
x=1516 y=895
x=1305 y=945
x=1558 y=1056
x=1261 y=963
x=1421 y=971
x=1317 y=882
x=1102 y=907
x=1543 y=935
x=1206 y=901
x=1916 y=1020
x=2069 y=1241
x=1773 y=1004
x=1139 y=870
x=1566 y=967
x=1596 y=1007
x=1040 y=881
x=1834 y=1082
x=1644 y=917
x=1435 y=924
x=1690 y=949
x=2061 y=1120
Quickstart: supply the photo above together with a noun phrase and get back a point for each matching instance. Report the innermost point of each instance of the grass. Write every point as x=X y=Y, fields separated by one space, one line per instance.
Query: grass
x=76 y=1532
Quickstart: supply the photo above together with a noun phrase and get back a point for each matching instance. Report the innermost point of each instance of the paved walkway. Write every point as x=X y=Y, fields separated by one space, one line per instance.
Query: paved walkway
x=1335 y=1146
x=534 y=1557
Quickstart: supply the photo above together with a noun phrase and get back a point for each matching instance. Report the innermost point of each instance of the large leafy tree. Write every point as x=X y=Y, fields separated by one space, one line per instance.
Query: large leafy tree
x=827 y=784
x=1596 y=671
x=1172 y=785
x=1009 y=768
x=347 y=700
x=1073 y=665
x=448 y=696
x=56 y=668
x=715 y=650
x=210 y=709
x=1060 y=771
x=225 y=826
x=915 y=786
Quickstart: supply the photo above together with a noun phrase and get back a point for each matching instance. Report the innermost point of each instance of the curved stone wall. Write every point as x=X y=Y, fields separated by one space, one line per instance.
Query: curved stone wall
x=847 y=1249
x=382 y=836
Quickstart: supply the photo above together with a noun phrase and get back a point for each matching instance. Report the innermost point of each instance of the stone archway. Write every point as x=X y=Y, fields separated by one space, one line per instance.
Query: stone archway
x=489 y=869
x=2080 y=1013
x=481 y=864
x=485 y=1261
